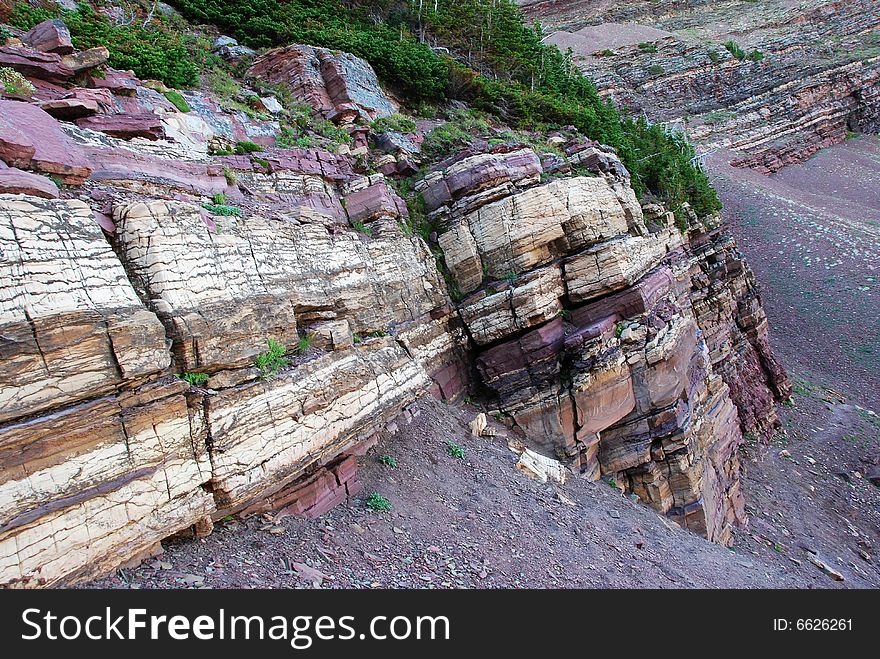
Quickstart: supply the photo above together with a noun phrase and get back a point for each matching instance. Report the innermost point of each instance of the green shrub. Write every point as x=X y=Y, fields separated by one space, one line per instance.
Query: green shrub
x=153 y=52
x=714 y=56
x=454 y=450
x=388 y=460
x=271 y=361
x=454 y=135
x=193 y=379
x=606 y=53
x=4 y=35
x=223 y=209
x=734 y=49
x=304 y=345
x=648 y=47
x=177 y=100
x=656 y=70
x=377 y=502
x=360 y=227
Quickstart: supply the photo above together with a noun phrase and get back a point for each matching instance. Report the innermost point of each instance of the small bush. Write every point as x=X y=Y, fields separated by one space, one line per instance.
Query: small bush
x=220 y=207
x=454 y=135
x=304 y=345
x=388 y=460
x=15 y=83
x=648 y=47
x=606 y=53
x=734 y=49
x=377 y=502
x=193 y=379
x=714 y=56
x=245 y=147
x=755 y=56
x=4 y=35
x=229 y=175
x=454 y=450
x=656 y=70
x=177 y=100
x=271 y=361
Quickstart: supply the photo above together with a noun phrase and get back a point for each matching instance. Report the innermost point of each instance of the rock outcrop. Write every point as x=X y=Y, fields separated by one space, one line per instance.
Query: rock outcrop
x=631 y=354
x=187 y=336
x=339 y=85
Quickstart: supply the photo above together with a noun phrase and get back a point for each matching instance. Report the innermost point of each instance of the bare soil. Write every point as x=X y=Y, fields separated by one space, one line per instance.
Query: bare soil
x=474 y=522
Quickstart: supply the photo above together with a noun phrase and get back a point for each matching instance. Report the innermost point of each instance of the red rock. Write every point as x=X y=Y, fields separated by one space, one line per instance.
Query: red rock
x=118 y=82
x=70 y=108
x=629 y=303
x=15 y=181
x=47 y=91
x=110 y=164
x=79 y=102
x=16 y=148
x=86 y=59
x=50 y=36
x=126 y=126
x=374 y=202
x=338 y=85
x=31 y=138
x=34 y=64
x=298 y=68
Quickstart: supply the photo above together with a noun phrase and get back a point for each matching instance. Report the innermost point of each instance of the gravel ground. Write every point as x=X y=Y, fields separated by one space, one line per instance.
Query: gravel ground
x=474 y=522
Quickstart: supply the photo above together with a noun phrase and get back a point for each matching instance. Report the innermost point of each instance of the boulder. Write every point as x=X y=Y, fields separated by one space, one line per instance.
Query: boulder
x=86 y=59
x=126 y=126
x=374 y=202
x=32 y=139
x=121 y=83
x=50 y=36
x=80 y=103
x=35 y=64
x=16 y=181
x=338 y=85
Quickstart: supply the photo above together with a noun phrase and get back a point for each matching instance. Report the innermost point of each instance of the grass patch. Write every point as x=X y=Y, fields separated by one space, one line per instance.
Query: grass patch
x=396 y=122
x=177 y=100
x=271 y=361
x=360 y=227
x=193 y=379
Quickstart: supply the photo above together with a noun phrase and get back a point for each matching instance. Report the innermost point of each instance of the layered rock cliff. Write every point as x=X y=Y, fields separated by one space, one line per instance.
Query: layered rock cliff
x=145 y=390
x=770 y=81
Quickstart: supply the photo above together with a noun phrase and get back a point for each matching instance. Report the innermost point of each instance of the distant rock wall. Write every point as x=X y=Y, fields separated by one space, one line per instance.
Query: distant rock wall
x=816 y=80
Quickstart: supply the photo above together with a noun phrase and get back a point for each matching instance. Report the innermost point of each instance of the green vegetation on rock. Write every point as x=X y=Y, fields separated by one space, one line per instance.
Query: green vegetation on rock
x=159 y=50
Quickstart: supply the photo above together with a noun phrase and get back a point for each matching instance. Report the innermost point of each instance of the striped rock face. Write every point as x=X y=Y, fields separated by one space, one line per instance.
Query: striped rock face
x=608 y=343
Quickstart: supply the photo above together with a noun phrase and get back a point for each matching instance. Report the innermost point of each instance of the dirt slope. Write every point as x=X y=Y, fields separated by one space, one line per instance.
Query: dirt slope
x=473 y=523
